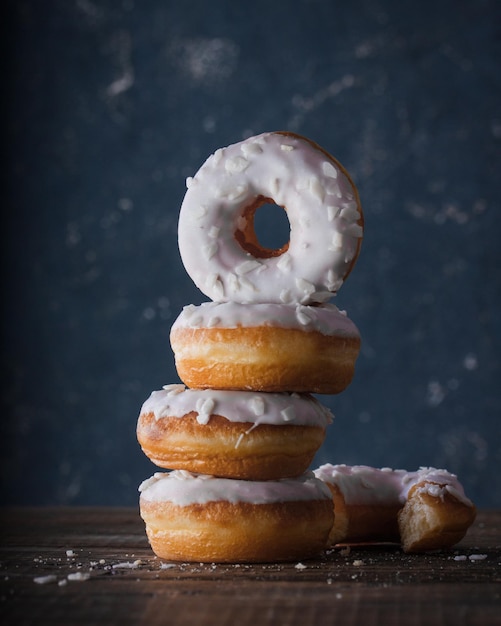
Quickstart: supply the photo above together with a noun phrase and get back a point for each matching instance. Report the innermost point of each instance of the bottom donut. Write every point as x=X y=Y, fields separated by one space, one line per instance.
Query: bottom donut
x=200 y=518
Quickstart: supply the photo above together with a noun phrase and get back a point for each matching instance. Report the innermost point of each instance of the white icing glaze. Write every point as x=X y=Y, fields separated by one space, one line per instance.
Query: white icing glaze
x=322 y=206
x=360 y=484
x=237 y=406
x=183 y=488
x=326 y=318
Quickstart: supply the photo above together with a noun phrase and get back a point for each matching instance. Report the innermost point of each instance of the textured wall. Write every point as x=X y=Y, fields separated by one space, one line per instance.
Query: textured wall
x=112 y=104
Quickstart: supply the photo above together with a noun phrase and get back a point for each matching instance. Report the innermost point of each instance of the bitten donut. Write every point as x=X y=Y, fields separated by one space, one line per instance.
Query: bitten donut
x=422 y=510
x=265 y=347
x=217 y=239
x=233 y=434
x=216 y=520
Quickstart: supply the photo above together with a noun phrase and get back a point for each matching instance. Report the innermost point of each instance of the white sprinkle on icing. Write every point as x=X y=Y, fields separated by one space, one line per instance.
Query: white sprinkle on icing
x=336 y=286
x=218 y=155
x=284 y=262
x=174 y=389
x=305 y=286
x=337 y=241
x=257 y=406
x=189 y=181
x=302 y=316
x=238 y=192
x=251 y=149
x=332 y=212
x=354 y=230
x=205 y=407
x=329 y=170
x=285 y=296
x=199 y=212
x=233 y=282
x=351 y=205
x=288 y=414
x=214 y=232
x=317 y=188
x=215 y=285
x=323 y=296
x=247 y=266
x=286 y=147
x=210 y=250
x=231 y=193
x=349 y=214
x=236 y=165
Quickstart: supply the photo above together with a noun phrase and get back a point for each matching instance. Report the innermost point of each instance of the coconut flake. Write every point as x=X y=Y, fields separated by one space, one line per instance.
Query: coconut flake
x=250 y=149
x=284 y=262
x=288 y=414
x=329 y=170
x=247 y=266
x=205 y=407
x=257 y=406
x=236 y=165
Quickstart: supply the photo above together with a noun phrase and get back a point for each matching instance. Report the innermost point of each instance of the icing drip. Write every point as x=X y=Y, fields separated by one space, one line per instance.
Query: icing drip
x=238 y=406
x=184 y=488
x=326 y=318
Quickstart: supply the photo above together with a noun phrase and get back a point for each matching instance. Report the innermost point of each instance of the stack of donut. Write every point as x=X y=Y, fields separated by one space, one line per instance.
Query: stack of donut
x=241 y=431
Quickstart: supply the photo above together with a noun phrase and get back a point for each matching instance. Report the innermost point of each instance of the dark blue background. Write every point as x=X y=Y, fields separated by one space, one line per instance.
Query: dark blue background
x=110 y=105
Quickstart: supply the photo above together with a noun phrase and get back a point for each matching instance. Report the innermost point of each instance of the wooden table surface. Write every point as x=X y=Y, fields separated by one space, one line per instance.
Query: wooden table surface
x=94 y=566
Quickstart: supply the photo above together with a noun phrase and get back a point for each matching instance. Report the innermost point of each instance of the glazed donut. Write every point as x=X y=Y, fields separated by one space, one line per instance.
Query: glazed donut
x=265 y=347
x=216 y=235
x=422 y=510
x=217 y=520
x=233 y=434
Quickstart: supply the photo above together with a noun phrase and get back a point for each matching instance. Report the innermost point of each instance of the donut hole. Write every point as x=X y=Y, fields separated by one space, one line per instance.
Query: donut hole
x=265 y=231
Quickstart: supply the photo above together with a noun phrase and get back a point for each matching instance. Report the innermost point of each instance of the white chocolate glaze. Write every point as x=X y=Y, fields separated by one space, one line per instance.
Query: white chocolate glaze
x=326 y=319
x=360 y=484
x=237 y=406
x=184 y=488
x=322 y=205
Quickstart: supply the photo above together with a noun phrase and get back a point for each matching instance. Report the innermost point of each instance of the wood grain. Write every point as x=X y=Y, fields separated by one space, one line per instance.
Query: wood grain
x=122 y=582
